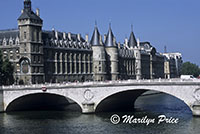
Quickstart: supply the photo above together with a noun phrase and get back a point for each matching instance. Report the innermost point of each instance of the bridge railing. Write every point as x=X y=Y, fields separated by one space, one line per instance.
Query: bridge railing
x=99 y=83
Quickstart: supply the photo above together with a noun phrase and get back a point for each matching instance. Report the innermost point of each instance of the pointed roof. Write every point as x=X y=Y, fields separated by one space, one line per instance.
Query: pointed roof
x=132 y=40
x=29 y=15
x=110 y=38
x=95 y=37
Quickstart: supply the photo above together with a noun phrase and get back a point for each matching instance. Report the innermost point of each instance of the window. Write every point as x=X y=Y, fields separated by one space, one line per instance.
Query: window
x=38 y=36
x=33 y=48
x=11 y=42
x=25 y=47
x=33 y=36
x=39 y=59
x=37 y=48
x=34 y=59
x=11 y=54
x=25 y=35
x=4 y=42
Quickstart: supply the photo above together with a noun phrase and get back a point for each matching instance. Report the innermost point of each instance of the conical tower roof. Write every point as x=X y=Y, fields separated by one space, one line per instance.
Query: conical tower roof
x=95 y=37
x=110 y=38
x=132 y=40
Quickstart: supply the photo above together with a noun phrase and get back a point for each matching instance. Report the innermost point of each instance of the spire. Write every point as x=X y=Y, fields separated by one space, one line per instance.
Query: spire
x=27 y=5
x=131 y=27
x=95 y=37
x=132 y=41
x=110 y=37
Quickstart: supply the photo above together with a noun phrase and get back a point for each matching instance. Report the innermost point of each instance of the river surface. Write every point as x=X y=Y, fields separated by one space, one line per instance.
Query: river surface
x=73 y=122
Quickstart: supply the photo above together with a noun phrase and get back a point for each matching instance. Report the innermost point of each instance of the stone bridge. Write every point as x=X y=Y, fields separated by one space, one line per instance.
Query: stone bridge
x=100 y=96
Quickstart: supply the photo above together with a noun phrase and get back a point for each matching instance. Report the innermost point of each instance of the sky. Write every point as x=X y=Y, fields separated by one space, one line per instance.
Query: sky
x=171 y=23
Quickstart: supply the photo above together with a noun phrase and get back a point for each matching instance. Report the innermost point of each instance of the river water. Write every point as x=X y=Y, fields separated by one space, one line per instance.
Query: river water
x=73 y=122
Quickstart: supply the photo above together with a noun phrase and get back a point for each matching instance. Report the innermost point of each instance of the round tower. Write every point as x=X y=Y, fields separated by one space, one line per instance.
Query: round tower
x=99 y=57
x=112 y=56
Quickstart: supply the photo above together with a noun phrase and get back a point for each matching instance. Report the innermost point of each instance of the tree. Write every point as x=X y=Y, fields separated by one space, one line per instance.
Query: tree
x=6 y=72
x=190 y=69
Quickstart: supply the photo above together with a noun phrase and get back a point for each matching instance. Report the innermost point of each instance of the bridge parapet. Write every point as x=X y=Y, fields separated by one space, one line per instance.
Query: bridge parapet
x=105 y=83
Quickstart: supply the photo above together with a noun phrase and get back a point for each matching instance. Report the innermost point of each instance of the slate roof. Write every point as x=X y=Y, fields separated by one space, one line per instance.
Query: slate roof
x=110 y=39
x=45 y=34
x=51 y=35
x=9 y=33
x=95 y=37
x=29 y=15
x=132 y=41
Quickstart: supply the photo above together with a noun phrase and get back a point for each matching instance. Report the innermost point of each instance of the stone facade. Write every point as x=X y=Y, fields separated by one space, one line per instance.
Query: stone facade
x=51 y=56
x=173 y=63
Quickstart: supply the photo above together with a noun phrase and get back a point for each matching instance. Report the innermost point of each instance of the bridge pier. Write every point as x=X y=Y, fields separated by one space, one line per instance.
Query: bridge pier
x=88 y=108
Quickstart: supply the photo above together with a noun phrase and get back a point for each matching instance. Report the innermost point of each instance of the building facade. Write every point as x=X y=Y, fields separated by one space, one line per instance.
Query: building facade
x=40 y=56
x=173 y=63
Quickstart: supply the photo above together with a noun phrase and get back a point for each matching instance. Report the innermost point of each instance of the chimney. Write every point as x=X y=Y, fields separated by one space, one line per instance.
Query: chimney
x=138 y=42
x=104 y=38
x=114 y=41
x=79 y=37
x=69 y=36
x=38 y=12
x=56 y=34
x=119 y=45
x=126 y=42
x=64 y=35
x=87 y=38
x=22 y=11
x=100 y=39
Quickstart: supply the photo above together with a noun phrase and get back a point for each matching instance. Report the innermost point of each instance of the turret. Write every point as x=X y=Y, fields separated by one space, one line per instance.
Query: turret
x=99 y=56
x=27 y=5
x=112 y=55
x=138 y=63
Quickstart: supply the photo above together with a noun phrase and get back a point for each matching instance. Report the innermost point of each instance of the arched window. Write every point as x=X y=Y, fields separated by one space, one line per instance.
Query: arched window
x=25 y=66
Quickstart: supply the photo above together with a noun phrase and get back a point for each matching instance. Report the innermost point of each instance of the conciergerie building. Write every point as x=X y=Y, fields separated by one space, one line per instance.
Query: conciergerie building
x=40 y=56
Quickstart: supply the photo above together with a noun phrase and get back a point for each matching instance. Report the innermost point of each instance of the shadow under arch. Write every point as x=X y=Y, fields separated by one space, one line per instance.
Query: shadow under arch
x=124 y=101
x=41 y=101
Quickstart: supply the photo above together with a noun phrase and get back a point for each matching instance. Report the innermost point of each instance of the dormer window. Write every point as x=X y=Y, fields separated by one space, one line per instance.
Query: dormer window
x=11 y=42
x=17 y=41
x=4 y=42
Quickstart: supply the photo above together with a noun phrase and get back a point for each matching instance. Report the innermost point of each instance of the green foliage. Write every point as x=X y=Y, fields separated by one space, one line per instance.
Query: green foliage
x=190 y=69
x=6 y=72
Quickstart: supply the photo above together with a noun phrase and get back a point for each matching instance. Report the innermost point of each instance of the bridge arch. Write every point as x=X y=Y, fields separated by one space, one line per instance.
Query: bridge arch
x=125 y=99
x=40 y=101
